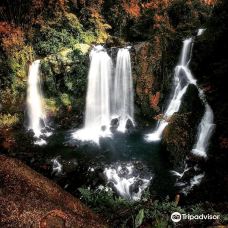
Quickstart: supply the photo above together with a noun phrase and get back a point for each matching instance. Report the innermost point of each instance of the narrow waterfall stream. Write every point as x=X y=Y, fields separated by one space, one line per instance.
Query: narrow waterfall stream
x=123 y=97
x=97 y=113
x=205 y=130
x=182 y=78
x=36 y=113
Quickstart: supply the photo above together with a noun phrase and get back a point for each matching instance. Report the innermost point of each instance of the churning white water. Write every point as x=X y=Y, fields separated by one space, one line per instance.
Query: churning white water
x=123 y=95
x=36 y=114
x=201 y=31
x=182 y=78
x=57 y=167
x=97 y=113
x=127 y=180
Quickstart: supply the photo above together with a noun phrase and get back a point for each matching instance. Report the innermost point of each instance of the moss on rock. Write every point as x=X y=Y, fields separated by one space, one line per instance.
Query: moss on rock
x=179 y=135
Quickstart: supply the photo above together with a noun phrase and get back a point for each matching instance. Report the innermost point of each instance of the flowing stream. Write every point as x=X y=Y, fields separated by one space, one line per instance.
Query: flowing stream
x=182 y=78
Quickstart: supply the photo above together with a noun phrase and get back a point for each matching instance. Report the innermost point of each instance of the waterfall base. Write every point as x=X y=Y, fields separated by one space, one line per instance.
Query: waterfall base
x=91 y=134
x=127 y=180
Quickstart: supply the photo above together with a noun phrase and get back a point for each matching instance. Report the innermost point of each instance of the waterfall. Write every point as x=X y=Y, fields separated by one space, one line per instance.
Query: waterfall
x=205 y=131
x=97 y=113
x=206 y=125
x=36 y=114
x=123 y=95
x=200 y=32
x=182 y=78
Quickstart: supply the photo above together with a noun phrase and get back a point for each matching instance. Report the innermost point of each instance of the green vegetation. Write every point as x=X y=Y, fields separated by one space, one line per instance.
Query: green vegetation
x=8 y=120
x=148 y=211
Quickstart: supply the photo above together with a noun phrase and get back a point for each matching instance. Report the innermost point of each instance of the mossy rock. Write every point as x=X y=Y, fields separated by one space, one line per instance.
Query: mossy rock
x=180 y=134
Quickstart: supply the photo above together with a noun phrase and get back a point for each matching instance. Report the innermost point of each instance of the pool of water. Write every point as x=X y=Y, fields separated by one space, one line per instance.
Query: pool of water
x=74 y=164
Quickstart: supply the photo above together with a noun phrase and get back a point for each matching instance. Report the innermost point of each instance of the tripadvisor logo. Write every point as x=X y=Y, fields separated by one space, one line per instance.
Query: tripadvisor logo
x=176 y=217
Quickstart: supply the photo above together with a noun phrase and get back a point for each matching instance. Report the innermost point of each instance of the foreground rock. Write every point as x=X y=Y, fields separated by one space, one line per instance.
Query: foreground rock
x=28 y=199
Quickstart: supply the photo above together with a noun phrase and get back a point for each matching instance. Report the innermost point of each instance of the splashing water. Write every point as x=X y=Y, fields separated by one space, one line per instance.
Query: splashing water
x=123 y=97
x=200 y=32
x=36 y=114
x=127 y=180
x=57 y=167
x=182 y=78
x=97 y=114
x=194 y=181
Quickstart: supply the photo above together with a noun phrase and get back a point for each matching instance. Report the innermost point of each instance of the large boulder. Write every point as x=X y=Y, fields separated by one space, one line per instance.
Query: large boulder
x=28 y=199
x=180 y=134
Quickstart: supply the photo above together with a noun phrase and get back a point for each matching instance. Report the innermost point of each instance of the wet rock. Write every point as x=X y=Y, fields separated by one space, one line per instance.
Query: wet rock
x=129 y=124
x=70 y=165
x=180 y=134
x=103 y=128
x=115 y=123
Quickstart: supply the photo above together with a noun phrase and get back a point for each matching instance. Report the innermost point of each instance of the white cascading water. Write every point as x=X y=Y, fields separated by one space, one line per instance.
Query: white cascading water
x=97 y=113
x=36 y=114
x=123 y=97
x=182 y=78
x=206 y=125
x=127 y=180
x=201 y=31
x=205 y=131
x=57 y=167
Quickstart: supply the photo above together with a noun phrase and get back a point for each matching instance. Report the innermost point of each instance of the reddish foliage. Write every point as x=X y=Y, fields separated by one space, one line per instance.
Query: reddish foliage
x=209 y=2
x=132 y=7
x=12 y=37
x=155 y=100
